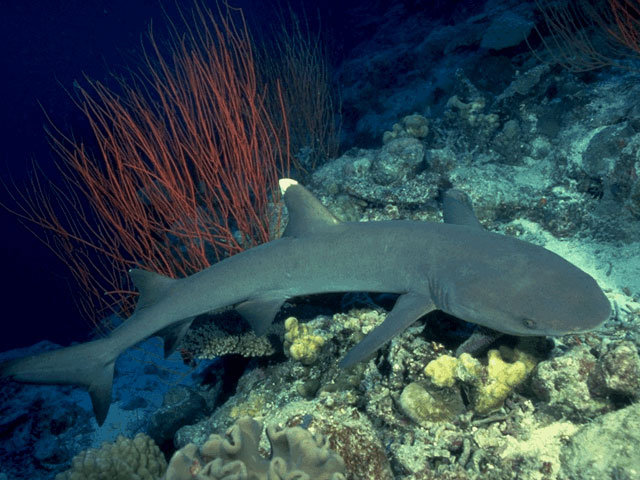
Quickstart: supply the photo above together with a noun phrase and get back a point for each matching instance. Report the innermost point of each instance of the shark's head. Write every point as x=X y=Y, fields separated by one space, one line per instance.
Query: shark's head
x=528 y=290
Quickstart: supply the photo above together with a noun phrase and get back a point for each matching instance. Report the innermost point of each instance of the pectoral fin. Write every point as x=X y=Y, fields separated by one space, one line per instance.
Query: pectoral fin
x=408 y=308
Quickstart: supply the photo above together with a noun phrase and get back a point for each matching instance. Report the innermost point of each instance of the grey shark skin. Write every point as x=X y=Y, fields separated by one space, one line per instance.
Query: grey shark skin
x=492 y=280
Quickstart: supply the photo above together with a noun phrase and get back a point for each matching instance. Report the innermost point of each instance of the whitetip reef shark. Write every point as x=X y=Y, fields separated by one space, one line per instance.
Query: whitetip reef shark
x=496 y=281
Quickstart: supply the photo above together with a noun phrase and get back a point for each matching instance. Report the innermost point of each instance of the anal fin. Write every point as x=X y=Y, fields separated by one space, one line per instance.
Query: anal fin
x=408 y=308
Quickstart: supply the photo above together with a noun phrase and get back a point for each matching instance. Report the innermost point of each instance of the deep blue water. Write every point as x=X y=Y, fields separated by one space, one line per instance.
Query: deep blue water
x=46 y=45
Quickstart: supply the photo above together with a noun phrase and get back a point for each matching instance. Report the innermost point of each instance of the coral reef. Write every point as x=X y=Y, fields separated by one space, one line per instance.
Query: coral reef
x=294 y=453
x=461 y=427
x=126 y=459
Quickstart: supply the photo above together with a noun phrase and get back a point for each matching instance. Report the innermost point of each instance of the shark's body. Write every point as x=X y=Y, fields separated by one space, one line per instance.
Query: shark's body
x=496 y=281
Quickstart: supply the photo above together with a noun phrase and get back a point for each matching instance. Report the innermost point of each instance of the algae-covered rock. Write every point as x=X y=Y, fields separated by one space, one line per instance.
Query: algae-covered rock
x=605 y=448
x=618 y=371
x=564 y=384
x=422 y=406
x=399 y=160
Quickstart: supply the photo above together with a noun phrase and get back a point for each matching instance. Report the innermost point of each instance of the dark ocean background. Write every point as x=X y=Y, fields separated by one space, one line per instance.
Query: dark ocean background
x=46 y=46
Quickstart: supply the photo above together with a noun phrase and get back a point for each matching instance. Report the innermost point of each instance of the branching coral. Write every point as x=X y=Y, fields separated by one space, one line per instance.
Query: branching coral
x=210 y=341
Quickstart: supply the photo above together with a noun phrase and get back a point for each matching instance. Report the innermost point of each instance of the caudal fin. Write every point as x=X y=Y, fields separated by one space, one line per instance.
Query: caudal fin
x=89 y=365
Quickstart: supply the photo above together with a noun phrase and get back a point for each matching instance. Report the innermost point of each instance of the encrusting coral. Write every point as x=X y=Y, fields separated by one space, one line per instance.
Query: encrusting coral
x=295 y=454
x=302 y=345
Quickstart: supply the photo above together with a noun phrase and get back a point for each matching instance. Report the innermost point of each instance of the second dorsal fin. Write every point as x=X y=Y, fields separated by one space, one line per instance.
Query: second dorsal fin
x=152 y=286
x=457 y=209
x=306 y=214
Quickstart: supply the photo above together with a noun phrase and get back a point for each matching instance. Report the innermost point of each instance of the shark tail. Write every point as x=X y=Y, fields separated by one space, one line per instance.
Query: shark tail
x=89 y=365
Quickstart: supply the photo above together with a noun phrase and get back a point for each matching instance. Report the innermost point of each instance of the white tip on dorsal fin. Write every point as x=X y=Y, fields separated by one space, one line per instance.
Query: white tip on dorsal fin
x=286 y=183
x=306 y=214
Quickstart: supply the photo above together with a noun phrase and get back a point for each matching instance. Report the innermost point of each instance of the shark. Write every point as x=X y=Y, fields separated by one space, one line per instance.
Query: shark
x=495 y=281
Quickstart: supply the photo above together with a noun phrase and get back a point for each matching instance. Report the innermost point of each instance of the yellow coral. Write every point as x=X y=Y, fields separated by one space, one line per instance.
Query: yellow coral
x=303 y=346
x=491 y=384
x=470 y=370
x=502 y=378
x=442 y=370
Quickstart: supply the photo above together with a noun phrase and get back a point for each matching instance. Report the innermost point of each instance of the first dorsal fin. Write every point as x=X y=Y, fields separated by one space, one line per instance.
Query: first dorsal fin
x=306 y=214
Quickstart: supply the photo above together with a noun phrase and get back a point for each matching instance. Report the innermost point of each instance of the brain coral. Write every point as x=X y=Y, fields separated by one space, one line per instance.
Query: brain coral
x=295 y=454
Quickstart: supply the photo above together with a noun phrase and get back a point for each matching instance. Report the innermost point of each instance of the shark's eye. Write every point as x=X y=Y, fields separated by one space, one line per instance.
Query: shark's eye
x=528 y=323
